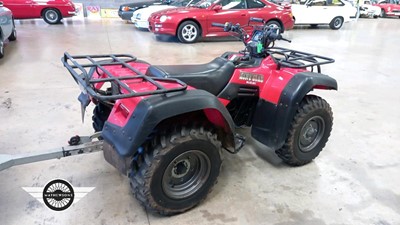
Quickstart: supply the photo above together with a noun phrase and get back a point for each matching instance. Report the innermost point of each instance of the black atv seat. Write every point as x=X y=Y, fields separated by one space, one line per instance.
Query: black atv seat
x=211 y=77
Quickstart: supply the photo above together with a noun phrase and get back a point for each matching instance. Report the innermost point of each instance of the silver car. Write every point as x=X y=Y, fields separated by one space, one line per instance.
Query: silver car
x=7 y=27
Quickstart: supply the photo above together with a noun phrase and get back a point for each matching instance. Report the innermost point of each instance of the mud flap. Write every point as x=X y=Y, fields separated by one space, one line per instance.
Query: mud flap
x=84 y=100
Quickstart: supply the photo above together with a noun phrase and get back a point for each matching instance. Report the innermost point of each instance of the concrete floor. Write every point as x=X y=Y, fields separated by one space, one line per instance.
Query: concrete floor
x=355 y=180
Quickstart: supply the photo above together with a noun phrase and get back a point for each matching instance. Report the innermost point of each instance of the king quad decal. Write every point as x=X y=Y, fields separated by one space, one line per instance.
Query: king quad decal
x=58 y=194
x=251 y=78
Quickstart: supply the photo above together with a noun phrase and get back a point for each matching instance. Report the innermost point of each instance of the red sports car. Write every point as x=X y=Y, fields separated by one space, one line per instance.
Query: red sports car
x=52 y=11
x=389 y=7
x=189 y=23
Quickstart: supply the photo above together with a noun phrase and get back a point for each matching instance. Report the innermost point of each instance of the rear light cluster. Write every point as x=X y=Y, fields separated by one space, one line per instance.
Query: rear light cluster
x=123 y=109
x=126 y=8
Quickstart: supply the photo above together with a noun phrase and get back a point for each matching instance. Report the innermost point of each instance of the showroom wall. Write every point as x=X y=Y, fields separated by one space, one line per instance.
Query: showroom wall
x=107 y=3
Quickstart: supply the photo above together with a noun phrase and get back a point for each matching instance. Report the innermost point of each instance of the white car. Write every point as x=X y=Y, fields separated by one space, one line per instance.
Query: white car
x=316 y=12
x=368 y=10
x=140 y=17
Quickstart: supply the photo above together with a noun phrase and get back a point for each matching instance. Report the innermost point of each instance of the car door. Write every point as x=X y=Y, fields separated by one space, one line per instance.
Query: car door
x=318 y=12
x=300 y=11
x=232 y=11
x=21 y=9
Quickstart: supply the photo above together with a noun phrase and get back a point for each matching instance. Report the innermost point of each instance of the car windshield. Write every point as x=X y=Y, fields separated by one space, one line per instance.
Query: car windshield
x=184 y=3
x=226 y=4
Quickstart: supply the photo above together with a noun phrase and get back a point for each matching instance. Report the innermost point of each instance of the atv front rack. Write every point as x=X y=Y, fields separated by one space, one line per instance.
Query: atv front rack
x=83 y=67
x=295 y=59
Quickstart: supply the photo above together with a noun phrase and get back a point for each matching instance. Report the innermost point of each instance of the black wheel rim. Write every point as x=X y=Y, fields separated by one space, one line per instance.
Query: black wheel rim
x=186 y=174
x=311 y=133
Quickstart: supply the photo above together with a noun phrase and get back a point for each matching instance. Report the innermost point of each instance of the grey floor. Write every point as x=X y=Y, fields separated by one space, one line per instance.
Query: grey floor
x=355 y=180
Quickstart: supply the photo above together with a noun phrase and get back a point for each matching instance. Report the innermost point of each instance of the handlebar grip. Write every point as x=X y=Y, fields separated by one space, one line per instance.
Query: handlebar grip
x=217 y=25
x=284 y=39
x=255 y=19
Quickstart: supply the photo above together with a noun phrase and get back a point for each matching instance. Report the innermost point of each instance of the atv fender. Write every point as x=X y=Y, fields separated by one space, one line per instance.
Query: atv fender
x=154 y=109
x=271 y=122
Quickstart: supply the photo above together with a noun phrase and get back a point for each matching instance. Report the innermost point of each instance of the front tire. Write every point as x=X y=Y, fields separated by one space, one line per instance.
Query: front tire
x=177 y=170
x=309 y=132
x=336 y=23
x=51 y=16
x=188 y=32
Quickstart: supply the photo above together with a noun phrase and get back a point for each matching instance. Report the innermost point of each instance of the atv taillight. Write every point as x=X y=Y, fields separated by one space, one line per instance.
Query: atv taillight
x=124 y=110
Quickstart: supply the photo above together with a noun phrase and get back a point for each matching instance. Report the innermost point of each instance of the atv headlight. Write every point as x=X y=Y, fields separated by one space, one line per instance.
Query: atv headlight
x=163 y=18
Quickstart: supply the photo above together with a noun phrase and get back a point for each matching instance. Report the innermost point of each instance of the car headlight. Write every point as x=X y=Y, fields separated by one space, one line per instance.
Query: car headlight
x=163 y=18
x=138 y=16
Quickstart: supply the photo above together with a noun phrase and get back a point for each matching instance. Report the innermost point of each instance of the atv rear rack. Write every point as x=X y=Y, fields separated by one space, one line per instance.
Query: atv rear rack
x=83 y=67
x=297 y=59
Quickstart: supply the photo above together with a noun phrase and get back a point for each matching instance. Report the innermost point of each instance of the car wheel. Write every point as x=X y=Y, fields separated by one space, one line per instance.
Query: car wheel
x=275 y=24
x=383 y=13
x=13 y=35
x=188 y=32
x=1 y=48
x=51 y=16
x=376 y=17
x=336 y=23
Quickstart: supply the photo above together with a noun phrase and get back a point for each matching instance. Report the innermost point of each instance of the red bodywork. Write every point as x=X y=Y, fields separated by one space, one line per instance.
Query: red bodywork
x=391 y=7
x=270 y=88
x=205 y=16
x=29 y=9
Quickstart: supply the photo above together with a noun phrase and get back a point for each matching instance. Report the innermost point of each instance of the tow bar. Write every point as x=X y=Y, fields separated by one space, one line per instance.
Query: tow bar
x=77 y=145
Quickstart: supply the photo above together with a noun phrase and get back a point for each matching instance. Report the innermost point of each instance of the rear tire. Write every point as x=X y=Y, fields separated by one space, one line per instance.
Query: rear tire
x=176 y=170
x=1 y=47
x=51 y=16
x=100 y=116
x=309 y=132
x=336 y=23
x=13 y=35
x=274 y=24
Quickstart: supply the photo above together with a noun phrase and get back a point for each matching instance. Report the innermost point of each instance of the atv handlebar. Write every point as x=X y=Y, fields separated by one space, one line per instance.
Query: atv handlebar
x=262 y=38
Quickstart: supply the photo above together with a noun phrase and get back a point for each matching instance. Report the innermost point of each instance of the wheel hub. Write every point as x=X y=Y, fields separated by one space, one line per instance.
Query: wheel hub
x=189 y=32
x=311 y=133
x=181 y=168
x=186 y=174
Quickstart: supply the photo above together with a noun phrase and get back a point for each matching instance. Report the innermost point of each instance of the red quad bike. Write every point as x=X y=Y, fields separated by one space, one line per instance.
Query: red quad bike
x=165 y=126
